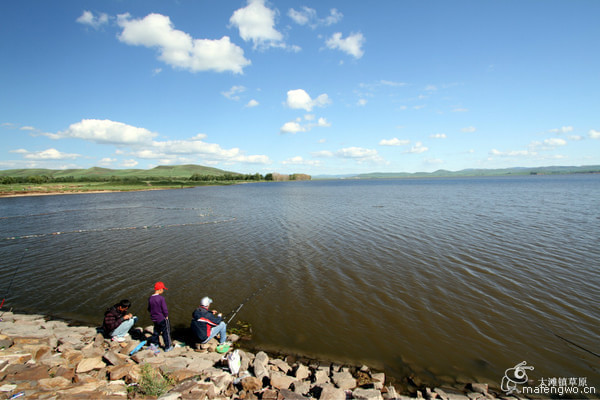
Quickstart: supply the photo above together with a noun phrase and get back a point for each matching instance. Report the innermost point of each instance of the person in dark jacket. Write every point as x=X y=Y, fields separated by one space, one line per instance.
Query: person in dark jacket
x=117 y=322
x=207 y=324
x=159 y=314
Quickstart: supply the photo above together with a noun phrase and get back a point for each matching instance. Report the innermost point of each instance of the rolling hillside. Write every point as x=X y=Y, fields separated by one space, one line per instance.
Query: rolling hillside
x=163 y=171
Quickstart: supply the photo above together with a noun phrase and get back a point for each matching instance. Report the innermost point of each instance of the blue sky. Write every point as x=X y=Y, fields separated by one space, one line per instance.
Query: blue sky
x=319 y=87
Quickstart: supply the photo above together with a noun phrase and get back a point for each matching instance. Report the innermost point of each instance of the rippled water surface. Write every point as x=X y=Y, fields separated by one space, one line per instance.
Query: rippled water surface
x=436 y=277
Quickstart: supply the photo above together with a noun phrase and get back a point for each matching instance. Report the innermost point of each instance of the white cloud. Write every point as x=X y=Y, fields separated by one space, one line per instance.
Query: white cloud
x=295 y=126
x=107 y=161
x=594 y=134
x=301 y=161
x=438 y=136
x=308 y=16
x=469 y=129
x=322 y=122
x=394 y=142
x=232 y=94
x=256 y=23
x=49 y=154
x=138 y=142
x=252 y=103
x=299 y=99
x=362 y=102
x=418 y=148
x=88 y=18
x=178 y=49
x=292 y=127
x=322 y=153
x=460 y=109
x=575 y=138
x=514 y=153
x=555 y=142
x=129 y=163
x=195 y=147
x=431 y=88
x=434 y=161
x=360 y=154
x=564 y=129
x=106 y=132
x=351 y=45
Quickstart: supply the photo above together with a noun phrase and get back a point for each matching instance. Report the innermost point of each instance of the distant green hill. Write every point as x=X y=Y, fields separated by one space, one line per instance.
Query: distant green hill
x=162 y=171
x=470 y=172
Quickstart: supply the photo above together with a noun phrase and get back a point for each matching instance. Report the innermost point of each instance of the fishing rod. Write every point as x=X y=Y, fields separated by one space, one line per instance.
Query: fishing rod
x=235 y=311
x=13 y=278
x=574 y=344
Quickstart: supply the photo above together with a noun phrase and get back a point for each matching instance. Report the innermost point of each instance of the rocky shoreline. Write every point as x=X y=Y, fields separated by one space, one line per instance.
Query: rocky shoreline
x=49 y=359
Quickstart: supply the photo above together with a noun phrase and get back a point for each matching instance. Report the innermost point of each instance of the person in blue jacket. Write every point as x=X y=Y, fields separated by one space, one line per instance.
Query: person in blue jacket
x=207 y=324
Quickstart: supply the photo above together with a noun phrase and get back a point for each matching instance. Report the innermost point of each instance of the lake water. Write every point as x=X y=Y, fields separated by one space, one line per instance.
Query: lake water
x=440 y=278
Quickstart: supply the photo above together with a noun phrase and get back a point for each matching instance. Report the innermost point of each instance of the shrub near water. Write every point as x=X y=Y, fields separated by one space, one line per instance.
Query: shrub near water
x=152 y=382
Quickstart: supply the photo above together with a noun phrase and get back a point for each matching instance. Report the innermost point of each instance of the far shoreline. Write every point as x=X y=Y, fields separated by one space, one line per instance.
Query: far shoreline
x=65 y=192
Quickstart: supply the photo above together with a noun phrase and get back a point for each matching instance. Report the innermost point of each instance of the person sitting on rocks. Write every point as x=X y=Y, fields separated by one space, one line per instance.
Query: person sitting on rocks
x=117 y=322
x=207 y=324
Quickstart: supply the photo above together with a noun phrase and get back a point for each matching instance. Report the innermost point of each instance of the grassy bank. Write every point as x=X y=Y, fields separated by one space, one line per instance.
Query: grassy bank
x=27 y=189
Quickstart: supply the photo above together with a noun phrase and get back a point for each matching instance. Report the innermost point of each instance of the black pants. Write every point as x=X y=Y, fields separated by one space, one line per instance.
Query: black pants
x=163 y=327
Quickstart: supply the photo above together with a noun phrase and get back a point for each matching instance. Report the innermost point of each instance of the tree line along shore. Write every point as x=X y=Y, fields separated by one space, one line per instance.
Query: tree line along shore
x=45 y=184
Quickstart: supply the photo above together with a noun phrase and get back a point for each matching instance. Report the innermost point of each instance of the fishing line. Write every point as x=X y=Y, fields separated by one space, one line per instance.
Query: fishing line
x=13 y=278
x=235 y=311
x=570 y=342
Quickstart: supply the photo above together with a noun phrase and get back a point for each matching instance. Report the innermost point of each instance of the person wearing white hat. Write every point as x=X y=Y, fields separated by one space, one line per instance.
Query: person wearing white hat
x=207 y=324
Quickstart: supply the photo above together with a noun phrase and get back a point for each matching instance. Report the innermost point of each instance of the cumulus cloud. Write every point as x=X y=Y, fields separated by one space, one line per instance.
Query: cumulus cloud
x=107 y=161
x=299 y=99
x=233 y=93
x=564 y=129
x=296 y=126
x=129 y=163
x=48 y=154
x=359 y=154
x=252 y=103
x=178 y=48
x=418 y=148
x=292 y=127
x=394 y=142
x=308 y=16
x=513 y=153
x=211 y=152
x=322 y=153
x=256 y=23
x=555 y=142
x=351 y=45
x=301 y=161
x=105 y=132
x=139 y=143
x=361 y=102
x=88 y=18
x=594 y=134
x=322 y=122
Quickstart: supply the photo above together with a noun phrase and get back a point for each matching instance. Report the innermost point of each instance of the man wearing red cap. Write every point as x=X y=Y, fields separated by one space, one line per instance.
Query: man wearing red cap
x=160 y=316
